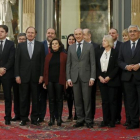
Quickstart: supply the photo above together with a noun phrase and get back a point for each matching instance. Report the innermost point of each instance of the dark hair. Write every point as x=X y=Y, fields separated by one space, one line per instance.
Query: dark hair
x=21 y=34
x=68 y=39
x=4 y=27
x=31 y=27
x=60 y=44
x=52 y=29
x=114 y=29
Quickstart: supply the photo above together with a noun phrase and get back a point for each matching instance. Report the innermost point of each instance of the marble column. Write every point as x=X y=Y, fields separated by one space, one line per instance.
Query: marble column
x=28 y=14
x=135 y=12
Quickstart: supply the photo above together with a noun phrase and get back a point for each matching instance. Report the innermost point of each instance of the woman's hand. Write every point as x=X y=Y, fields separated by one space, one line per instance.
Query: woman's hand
x=102 y=80
x=44 y=86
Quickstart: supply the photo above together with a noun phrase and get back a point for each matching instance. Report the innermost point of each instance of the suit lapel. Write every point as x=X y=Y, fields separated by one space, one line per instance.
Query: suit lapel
x=6 y=44
x=74 y=51
x=137 y=48
x=83 y=50
x=26 y=49
x=35 y=48
x=110 y=59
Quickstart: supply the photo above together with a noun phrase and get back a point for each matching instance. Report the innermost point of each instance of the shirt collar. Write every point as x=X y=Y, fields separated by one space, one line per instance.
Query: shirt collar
x=30 y=41
x=115 y=42
x=134 y=41
x=3 y=40
x=89 y=42
x=80 y=42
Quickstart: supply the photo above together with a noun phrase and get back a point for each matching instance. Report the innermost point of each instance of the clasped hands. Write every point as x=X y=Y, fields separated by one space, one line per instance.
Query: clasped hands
x=104 y=80
x=132 y=67
x=2 y=71
x=70 y=84
x=18 y=80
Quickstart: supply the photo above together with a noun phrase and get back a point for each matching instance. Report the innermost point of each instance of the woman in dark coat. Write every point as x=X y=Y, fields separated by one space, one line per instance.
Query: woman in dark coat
x=55 y=79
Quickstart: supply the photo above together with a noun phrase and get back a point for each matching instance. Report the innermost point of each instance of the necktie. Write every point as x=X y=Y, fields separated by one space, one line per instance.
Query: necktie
x=1 y=47
x=133 y=48
x=79 y=50
x=30 y=49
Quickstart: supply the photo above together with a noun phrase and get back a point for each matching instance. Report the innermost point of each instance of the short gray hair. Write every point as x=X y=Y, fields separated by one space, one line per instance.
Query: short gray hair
x=131 y=26
x=109 y=39
x=21 y=34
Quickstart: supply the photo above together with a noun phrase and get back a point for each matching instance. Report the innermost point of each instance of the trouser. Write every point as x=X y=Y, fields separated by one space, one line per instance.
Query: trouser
x=70 y=101
x=55 y=93
x=7 y=85
x=109 y=103
x=82 y=98
x=42 y=102
x=25 y=90
x=132 y=89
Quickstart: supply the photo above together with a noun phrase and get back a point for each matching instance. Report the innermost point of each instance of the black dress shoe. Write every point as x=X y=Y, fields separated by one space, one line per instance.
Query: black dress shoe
x=16 y=119
x=40 y=120
x=89 y=125
x=126 y=124
x=103 y=124
x=22 y=123
x=118 y=122
x=132 y=127
x=78 y=125
x=35 y=123
x=7 y=122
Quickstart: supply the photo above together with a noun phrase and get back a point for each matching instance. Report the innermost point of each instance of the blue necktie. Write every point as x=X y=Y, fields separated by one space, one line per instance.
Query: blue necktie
x=133 y=49
x=30 y=49
x=79 y=50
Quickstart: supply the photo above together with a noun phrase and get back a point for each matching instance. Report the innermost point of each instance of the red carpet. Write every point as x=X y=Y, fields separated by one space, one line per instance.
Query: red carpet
x=66 y=131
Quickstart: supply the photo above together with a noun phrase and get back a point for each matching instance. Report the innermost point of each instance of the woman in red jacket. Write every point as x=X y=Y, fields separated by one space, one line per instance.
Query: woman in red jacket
x=55 y=78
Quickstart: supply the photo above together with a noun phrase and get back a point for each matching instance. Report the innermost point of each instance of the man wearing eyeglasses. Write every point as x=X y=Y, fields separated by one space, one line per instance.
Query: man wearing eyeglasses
x=129 y=61
x=21 y=38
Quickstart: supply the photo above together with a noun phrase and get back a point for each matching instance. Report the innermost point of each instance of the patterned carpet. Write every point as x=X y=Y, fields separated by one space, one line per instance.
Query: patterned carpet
x=66 y=131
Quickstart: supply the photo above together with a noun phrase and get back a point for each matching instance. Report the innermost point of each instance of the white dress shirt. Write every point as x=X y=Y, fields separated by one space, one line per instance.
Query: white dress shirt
x=81 y=45
x=104 y=60
x=32 y=45
x=133 y=42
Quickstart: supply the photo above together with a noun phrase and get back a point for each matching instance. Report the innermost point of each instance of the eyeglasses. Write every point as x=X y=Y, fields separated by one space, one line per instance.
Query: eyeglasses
x=133 y=31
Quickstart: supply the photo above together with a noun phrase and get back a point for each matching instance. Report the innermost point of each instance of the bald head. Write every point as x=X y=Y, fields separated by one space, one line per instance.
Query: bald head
x=87 y=35
x=78 y=34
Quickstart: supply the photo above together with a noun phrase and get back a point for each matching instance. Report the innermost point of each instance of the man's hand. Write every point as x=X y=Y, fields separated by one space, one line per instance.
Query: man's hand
x=70 y=84
x=2 y=71
x=91 y=82
x=102 y=80
x=44 y=86
x=66 y=84
x=18 y=80
x=136 y=67
x=129 y=67
x=40 y=79
x=107 y=79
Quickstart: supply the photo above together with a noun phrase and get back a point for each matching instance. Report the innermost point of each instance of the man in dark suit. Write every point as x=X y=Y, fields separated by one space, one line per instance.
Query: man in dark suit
x=114 y=33
x=129 y=61
x=7 y=57
x=21 y=38
x=87 y=38
x=81 y=74
x=50 y=35
x=29 y=66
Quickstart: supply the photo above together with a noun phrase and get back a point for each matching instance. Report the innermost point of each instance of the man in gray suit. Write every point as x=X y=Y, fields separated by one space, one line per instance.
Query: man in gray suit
x=81 y=75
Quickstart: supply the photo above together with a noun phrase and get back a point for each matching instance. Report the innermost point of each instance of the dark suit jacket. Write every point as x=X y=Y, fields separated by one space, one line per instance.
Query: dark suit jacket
x=117 y=48
x=7 y=59
x=125 y=58
x=46 y=47
x=62 y=76
x=29 y=69
x=112 y=71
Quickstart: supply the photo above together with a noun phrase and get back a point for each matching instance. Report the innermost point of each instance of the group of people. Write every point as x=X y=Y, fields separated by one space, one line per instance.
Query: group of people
x=39 y=68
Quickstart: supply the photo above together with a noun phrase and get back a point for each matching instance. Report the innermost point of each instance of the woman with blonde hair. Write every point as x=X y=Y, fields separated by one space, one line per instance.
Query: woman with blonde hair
x=125 y=35
x=108 y=79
